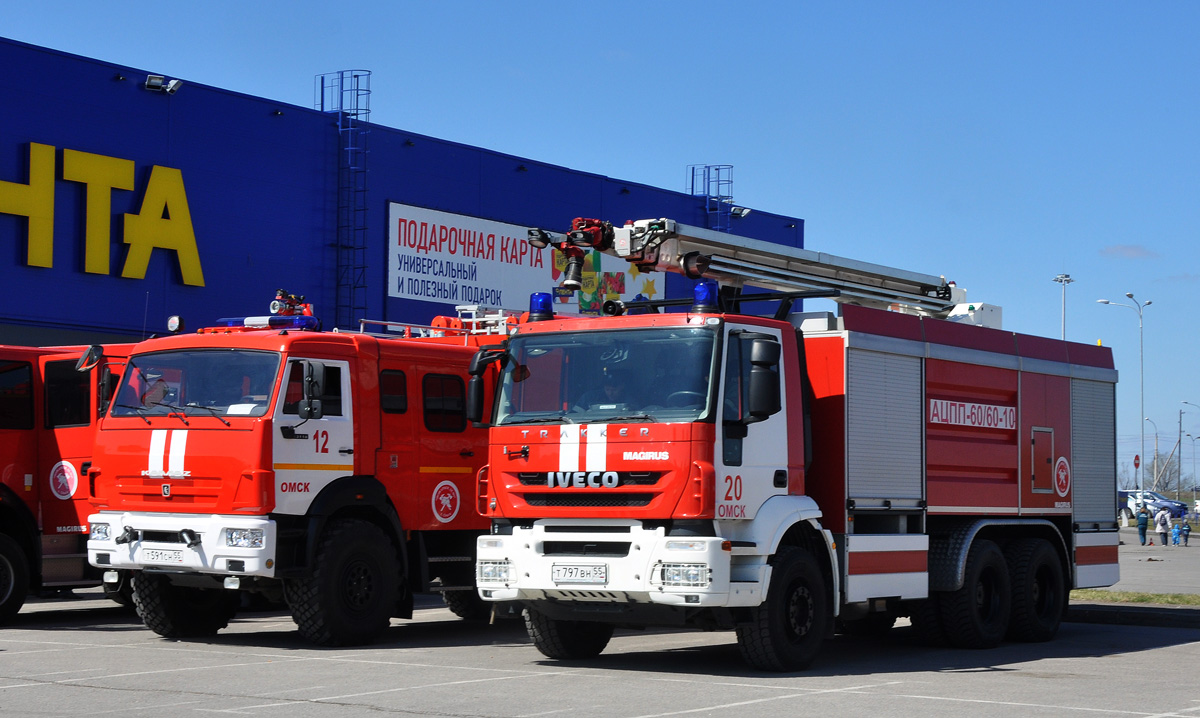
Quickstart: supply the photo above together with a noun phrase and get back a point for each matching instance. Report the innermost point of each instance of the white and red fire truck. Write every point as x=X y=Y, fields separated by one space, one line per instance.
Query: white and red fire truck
x=325 y=469
x=786 y=474
x=48 y=414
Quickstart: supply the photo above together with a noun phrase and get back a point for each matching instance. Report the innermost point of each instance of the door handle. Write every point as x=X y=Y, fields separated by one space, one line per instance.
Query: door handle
x=345 y=451
x=466 y=453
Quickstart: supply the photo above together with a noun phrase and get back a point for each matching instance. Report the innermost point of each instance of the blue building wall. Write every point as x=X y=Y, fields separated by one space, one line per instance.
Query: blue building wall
x=260 y=179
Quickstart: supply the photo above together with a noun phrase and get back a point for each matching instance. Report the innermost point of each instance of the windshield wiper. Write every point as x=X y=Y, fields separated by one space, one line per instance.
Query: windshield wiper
x=561 y=418
x=641 y=416
x=176 y=411
x=211 y=409
x=136 y=409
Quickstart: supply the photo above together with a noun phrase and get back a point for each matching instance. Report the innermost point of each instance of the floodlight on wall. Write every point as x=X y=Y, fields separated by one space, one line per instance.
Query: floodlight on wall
x=173 y=86
x=155 y=82
x=739 y=211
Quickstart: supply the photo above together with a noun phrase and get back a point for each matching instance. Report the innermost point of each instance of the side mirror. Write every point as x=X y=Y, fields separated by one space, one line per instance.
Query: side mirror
x=314 y=389
x=90 y=358
x=764 y=399
x=475 y=394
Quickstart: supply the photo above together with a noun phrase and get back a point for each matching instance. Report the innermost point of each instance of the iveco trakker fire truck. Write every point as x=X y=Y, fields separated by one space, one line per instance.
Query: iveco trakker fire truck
x=48 y=414
x=783 y=475
x=324 y=469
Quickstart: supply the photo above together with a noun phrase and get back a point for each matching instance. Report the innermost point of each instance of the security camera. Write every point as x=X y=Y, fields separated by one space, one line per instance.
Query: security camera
x=173 y=86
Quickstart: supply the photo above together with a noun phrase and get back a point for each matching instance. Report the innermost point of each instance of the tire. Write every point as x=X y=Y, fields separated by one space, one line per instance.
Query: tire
x=181 y=611
x=1039 y=591
x=350 y=596
x=787 y=629
x=566 y=640
x=976 y=615
x=926 y=618
x=467 y=604
x=14 y=578
x=121 y=592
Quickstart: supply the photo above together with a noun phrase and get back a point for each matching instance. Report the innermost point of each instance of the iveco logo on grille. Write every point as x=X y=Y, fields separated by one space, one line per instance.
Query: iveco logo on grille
x=583 y=479
x=166 y=490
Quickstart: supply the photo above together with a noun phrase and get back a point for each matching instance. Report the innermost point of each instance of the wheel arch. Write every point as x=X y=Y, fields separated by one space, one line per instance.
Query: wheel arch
x=362 y=497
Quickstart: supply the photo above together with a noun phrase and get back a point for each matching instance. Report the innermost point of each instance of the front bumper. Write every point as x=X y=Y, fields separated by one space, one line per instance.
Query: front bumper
x=159 y=542
x=616 y=562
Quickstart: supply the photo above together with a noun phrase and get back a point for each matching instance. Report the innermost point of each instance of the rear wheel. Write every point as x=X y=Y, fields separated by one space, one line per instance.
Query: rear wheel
x=1038 y=590
x=566 y=640
x=976 y=615
x=786 y=630
x=14 y=578
x=349 y=598
x=926 y=618
x=182 y=611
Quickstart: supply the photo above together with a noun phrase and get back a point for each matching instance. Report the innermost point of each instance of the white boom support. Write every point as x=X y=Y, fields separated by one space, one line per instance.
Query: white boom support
x=665 y=245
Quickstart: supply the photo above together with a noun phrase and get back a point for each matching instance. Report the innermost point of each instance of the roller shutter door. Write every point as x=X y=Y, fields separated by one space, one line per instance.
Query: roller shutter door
x=884 y=412
x=1093 y=451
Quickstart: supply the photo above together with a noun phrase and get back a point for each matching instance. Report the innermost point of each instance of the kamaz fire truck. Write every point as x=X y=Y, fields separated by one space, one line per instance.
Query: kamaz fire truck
x=48 y=414
x=324 y=469
x=783 y=475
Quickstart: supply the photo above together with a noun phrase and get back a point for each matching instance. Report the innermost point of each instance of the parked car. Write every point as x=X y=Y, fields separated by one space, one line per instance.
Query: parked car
x=1130 y=501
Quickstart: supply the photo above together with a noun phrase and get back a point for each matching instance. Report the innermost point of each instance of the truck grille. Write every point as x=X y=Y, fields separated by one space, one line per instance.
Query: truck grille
x=587 y=500
x=610 y=549
x=194 y=494
x=628 y=478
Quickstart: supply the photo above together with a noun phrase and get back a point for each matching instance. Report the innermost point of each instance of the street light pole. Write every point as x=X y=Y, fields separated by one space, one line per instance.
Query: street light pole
x=1064 y=280
x=1193 y=470
x=1137 y=307
x=1155 y=486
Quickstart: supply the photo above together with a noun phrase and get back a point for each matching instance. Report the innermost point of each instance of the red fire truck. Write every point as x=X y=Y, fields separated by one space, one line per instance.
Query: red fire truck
x=787 y=474
x=324 y=469
x=48 y=413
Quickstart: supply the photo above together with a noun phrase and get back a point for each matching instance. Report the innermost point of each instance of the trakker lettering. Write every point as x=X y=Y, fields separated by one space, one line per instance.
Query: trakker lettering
x=583 y=479
x=163 y=221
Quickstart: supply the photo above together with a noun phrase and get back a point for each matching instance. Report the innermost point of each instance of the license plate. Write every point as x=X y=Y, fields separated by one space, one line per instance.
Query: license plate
x=578 y=573
x=156 y=555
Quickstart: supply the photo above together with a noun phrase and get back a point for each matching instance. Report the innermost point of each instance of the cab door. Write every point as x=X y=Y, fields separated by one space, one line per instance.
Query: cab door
x=311 y=454
x=449 y=452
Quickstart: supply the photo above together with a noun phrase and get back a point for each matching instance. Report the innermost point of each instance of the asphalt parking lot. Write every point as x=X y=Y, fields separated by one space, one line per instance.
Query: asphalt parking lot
x=84 y=655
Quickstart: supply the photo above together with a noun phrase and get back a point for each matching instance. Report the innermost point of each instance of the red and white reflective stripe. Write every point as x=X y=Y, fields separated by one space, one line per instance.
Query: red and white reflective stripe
x=590 y=440
x=159 y=453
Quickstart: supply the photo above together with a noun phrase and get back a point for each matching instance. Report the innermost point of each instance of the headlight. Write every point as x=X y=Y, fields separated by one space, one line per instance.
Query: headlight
x=686 y=545
x=493 y=571
x=244 y=538
x=99 y=532
x=691 y=575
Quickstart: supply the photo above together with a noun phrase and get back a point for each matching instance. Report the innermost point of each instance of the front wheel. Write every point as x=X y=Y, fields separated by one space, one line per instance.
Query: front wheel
x=786 y=630
x=350 y=596
x=976 y=615
x=566 y=640
x=182 y=611
x=14 y=578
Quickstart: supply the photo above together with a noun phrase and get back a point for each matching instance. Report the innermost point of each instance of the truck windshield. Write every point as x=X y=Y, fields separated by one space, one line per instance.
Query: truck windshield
x=198 y=382
x=654 y=375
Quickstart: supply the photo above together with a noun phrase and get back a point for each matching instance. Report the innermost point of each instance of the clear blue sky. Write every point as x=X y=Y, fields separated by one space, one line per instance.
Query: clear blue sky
x=997 y=144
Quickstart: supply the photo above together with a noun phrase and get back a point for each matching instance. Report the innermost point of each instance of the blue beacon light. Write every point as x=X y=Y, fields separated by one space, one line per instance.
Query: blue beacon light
x=541 y=306
x=704 y=297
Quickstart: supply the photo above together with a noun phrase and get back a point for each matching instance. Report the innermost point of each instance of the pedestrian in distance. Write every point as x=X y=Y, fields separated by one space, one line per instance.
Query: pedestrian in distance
x=1185 y=529
x=1162 y=523
x=1143 y=522
x=1175 y=531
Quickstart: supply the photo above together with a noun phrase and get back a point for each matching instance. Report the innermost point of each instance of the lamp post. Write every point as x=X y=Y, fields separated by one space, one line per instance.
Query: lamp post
x=1193 y=470
x=1064 y=280
x=1155 y=486
x=1179 y=473
x=1137 y=307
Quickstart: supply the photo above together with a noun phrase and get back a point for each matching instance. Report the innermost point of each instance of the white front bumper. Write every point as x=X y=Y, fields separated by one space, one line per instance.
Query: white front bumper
x=212 y=555
x=634 y=576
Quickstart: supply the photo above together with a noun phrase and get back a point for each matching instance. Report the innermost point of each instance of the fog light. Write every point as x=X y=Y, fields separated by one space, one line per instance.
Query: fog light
x=99 y=532
x=692 y=575
x=491 y=543
x=244 y=538
x=493 y=571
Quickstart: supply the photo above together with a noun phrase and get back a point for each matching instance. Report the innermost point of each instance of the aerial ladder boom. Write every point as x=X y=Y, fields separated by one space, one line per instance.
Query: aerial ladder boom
x=666 y=246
